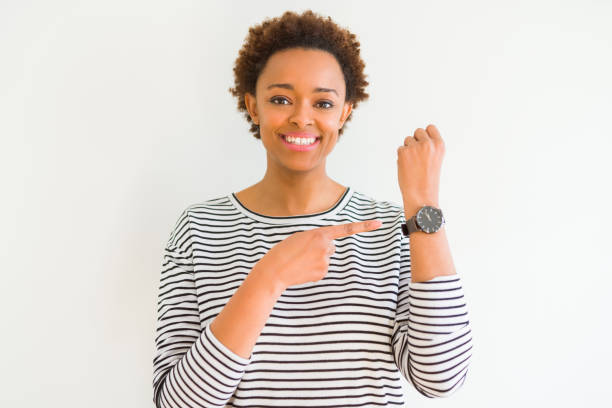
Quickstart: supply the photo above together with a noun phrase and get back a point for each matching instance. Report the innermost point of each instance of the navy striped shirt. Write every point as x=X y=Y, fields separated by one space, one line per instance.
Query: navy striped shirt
x=342 y=341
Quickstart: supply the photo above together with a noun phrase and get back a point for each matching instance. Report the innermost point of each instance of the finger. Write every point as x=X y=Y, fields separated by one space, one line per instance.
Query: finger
x=409 y=140
x=434 y=133
x=344 y=230
x=421 y=135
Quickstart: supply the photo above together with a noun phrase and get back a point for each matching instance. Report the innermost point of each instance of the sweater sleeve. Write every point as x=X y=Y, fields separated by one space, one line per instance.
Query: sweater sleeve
x=432 y=339
x=191 y=367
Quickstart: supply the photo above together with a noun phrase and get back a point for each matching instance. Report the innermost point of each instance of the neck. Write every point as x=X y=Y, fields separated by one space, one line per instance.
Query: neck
x=297 y=193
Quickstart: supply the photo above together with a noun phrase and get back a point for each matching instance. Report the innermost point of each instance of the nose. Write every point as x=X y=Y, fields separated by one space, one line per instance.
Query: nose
x=301 y=115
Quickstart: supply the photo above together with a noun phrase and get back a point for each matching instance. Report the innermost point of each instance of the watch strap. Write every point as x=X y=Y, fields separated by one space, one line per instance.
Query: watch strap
x=410 y=226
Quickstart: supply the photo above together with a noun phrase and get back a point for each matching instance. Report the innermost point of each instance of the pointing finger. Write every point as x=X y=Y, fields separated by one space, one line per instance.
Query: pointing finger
x=344 y=230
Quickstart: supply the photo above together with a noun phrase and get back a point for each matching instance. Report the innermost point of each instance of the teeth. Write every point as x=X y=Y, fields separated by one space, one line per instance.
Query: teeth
x=300 y=141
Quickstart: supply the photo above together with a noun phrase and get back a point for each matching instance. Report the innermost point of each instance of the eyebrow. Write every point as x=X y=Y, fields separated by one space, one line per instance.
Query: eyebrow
x=289 y=86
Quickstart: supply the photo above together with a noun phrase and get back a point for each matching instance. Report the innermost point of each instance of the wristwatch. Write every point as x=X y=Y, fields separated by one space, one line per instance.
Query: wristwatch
x=428 y=219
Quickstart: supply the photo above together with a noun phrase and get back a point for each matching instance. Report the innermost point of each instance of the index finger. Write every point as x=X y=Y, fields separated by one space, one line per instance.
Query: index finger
x=344 y=230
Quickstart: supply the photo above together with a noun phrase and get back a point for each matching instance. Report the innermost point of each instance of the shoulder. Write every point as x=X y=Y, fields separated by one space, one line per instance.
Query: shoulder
x=378 y=208
x=366 y=200
x=208 y=208
x=194 y=214
x=209 y=204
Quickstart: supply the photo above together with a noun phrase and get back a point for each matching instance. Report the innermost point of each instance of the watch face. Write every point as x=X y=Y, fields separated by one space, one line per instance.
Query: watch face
x=429 y=219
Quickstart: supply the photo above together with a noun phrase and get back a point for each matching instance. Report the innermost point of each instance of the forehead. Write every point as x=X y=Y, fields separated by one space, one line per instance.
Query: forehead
x=303 y=68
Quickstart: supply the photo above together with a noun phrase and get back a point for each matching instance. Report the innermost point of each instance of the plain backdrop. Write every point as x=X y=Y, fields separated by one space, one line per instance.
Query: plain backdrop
x=116 y=115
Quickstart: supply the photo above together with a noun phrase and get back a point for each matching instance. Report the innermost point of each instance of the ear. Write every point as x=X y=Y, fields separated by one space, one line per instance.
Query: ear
x=346 y=112
x=251 y=105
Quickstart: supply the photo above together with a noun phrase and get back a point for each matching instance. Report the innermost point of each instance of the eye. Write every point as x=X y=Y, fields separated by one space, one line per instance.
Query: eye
x=278 y=98
x=331 y=105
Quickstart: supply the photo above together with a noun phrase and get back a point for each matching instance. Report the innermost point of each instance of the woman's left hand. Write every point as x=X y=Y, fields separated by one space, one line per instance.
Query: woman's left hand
x=419 y=162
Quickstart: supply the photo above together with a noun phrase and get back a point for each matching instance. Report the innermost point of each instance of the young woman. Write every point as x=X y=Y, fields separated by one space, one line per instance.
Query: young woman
x=289 y=293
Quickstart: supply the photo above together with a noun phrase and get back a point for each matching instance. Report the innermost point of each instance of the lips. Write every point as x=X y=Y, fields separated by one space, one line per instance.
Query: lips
x=304 y=135
x=300 y=148
x=300 y=134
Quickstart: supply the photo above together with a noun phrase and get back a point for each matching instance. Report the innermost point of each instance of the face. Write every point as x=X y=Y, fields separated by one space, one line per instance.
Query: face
x=299 y=92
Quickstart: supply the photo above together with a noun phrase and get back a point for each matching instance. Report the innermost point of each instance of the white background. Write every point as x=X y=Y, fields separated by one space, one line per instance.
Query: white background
x=116 y=115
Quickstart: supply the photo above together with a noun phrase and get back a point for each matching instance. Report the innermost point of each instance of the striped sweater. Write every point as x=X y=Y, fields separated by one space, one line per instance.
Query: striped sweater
x=342 y=341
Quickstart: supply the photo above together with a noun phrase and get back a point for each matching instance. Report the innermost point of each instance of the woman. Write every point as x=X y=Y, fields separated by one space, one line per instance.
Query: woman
x=258 y=306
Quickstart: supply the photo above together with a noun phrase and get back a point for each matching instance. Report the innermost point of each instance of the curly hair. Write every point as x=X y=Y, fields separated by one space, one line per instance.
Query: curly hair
x=308 y=31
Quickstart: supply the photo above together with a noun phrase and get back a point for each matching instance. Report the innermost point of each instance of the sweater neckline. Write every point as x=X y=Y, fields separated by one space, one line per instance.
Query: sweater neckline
x=293 y=219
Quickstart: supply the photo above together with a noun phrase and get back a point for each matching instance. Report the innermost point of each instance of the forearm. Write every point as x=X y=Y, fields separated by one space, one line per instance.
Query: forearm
x=430 y=254
x=242 y=319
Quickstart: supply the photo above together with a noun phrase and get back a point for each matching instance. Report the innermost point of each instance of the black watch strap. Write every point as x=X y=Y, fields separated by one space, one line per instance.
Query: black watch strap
x=410 y=226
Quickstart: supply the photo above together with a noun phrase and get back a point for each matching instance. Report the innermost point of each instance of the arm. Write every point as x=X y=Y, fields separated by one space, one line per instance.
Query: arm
x=191 y=367
x=242 y=319
x=431 y=340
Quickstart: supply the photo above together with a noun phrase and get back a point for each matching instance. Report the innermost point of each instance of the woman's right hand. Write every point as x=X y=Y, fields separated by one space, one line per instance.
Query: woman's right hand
x=304 y=256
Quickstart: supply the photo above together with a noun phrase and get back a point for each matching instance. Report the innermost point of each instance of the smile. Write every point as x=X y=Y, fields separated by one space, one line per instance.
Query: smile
x=298 y=147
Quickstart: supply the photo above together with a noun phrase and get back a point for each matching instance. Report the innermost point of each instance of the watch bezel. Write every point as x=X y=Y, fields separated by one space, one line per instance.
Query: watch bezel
x=420 y=213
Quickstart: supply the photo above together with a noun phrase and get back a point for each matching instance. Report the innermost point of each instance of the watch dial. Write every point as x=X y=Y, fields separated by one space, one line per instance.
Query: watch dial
x=429 y=219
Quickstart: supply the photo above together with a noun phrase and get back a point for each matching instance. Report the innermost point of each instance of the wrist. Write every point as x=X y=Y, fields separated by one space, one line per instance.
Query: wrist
x=412 y=207
x=268 y=279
